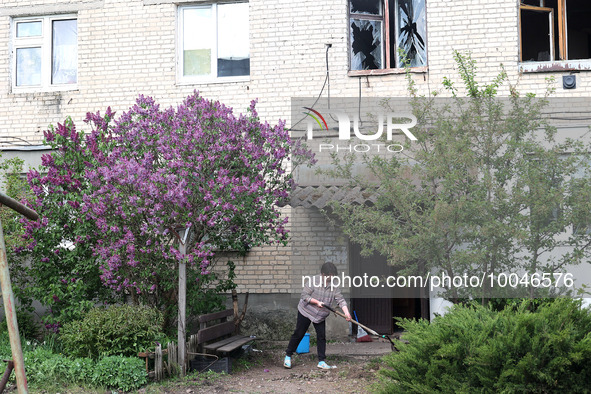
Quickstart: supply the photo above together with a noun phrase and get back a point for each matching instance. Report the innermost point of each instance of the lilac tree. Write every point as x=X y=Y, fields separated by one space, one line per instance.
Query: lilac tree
x=63 y=273
x=111 y=204
x=197 y=166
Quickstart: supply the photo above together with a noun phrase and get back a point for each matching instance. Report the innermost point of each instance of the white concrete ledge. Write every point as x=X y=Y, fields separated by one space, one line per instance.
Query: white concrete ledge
x=51 y=9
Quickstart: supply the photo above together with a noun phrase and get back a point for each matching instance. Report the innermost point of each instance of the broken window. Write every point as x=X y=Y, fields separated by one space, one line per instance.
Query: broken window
x=555 y=30
x=214 y=41
x=45 y=53
x=383 y=32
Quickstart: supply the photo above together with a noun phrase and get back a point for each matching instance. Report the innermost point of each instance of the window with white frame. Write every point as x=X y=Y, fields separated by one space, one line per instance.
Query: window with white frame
x=213 y=42
x=45 y=53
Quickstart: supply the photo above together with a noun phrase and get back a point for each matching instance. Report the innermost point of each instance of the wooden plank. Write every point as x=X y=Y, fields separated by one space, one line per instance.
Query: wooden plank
x=562 y=30
x=537 y=9
x=173 y=360
x=552 y=46
x=192 y=344
x=387 y=35
x=368 y=17
x=216 y=331
x=158 y=370
x=235 y=345
x=235 y=303
x=215 y=316
x=520 y=27
x=386 y=71
x=214 y=346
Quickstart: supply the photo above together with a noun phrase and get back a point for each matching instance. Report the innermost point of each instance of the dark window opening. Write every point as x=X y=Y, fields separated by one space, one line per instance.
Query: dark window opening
x=536 y=35
x=555 y=30
x=372 y=7
x=578 y=22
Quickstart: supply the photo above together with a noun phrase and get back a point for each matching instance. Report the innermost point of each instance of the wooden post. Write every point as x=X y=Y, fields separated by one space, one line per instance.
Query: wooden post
x=8 y=297
x=10 y=312
x=238 y=317
x=173 y=357
x=235 y=303
x=182 y=304
x=158 y=369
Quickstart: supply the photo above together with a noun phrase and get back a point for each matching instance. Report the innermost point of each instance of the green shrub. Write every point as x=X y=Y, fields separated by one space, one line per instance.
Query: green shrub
x=122 y=373
x=119 y=330
x=27 y=326
x=125 y=373
x=472 y=349
x=26 y=345
x=5 y=350
x=40 y=364
x=498 y=304
x=80 y=370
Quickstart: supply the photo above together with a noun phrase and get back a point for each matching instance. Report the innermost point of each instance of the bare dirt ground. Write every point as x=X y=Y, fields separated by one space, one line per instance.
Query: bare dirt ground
x=263 y=372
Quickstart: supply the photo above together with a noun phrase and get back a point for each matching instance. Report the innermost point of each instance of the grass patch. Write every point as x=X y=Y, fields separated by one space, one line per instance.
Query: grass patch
x=194 y=378
x=375 y=364
x=245 y=363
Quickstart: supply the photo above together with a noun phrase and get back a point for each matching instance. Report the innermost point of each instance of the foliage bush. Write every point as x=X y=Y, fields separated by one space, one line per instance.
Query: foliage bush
x=123 y=373
x=45 y=367
x=474 y=349
x=27 y=326
x=118 y=330
x=498 y=304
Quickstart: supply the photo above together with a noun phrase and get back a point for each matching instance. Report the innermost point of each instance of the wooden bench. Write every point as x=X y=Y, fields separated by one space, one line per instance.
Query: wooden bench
x=220 y=330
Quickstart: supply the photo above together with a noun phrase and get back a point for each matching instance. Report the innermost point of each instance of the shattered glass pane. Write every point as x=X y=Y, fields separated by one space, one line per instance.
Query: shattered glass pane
x=28 y=66
x=28 y=29
x=198 y=33
x=366 y=45
x=64 y=52
x=412 y=31
x=372 y=7
x=233 y=45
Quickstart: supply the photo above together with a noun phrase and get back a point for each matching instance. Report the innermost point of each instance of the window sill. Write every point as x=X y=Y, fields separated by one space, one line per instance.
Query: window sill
x=386 y=71
x=213 y=81
x=56 y=89
x=553 y=66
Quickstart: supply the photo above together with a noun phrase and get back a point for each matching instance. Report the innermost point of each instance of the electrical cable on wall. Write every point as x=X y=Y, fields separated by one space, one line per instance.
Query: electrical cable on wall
x=9 y=140
x=328 y=46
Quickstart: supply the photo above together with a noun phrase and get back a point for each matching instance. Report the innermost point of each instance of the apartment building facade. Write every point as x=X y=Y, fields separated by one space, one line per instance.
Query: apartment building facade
x=63 y=58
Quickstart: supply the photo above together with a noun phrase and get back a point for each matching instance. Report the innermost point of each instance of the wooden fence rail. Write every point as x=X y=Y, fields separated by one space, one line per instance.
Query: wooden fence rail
x=169 y=366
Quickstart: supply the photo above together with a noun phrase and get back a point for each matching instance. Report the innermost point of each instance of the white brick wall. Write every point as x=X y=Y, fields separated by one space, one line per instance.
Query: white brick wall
x=127 y=47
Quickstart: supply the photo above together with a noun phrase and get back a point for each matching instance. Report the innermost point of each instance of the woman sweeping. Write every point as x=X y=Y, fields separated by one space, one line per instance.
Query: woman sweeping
x=317 y=292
